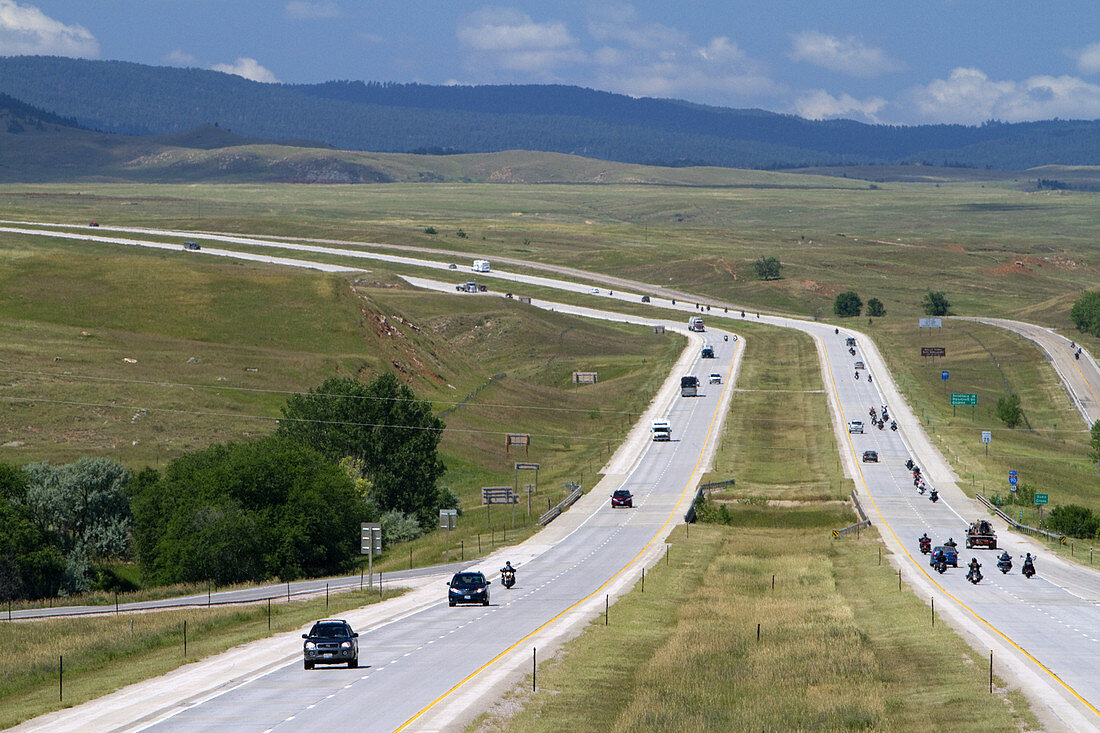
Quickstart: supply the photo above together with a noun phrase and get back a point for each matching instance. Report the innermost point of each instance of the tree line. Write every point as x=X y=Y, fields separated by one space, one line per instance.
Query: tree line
x=286 y=506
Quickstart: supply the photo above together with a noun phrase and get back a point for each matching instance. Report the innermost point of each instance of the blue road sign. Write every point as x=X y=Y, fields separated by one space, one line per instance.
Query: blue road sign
x=944 y=374
x=1012 y=480
x=1012 y=472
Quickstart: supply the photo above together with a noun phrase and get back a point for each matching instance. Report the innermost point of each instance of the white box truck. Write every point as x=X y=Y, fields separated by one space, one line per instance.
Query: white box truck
x=480 y=266
x=661 y=430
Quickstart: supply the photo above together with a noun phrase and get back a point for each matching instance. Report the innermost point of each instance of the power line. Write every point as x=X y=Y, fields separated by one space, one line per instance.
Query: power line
x=74 y=403
x=261 y=390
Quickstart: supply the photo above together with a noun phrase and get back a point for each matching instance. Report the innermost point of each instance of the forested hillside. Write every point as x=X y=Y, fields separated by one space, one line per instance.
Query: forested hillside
x=134 y=99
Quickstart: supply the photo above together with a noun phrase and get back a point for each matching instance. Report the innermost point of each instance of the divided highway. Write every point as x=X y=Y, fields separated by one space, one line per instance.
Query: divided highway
x=426 y=668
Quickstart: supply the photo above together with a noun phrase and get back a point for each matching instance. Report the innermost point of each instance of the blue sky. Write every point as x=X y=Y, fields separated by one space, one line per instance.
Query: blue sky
x=888 y=61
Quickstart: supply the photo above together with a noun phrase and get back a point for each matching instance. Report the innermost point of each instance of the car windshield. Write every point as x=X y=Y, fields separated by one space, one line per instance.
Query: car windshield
x=622 y=493
x=329 y=631
x=468 y=580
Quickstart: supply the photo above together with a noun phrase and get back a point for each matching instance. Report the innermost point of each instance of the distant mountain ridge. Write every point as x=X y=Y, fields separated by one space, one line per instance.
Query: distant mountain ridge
x=135 y=99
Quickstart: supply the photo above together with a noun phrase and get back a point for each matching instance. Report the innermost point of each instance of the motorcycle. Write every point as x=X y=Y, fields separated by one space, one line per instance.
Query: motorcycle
x=1077 y=355
x=726 y=337
x=925 y=545
x=869 y=380
x=975 y=575
x=851 y=351
x=909 y=463
x=921 y=488
x=881 y=424
x=508 y=578
x=941 y=565
x=894 y=425
x=1028 y=570
x=836 y=331
x=857 y=376
x=933 y=496
x=1004 y=566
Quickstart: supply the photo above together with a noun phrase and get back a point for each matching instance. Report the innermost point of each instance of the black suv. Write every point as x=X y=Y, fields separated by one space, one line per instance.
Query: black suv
x=468 y=587
x=331 y=641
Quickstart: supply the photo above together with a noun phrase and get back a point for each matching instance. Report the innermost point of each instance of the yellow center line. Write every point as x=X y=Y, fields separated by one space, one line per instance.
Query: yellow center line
x=683 y=494
x=931 y=579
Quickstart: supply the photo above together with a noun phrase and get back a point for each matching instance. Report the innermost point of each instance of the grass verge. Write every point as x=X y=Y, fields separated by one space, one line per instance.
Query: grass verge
x=104 y=654
x=839 y=648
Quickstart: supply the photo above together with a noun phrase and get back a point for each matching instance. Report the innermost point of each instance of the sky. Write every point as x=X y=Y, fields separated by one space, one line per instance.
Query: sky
x=882 y=61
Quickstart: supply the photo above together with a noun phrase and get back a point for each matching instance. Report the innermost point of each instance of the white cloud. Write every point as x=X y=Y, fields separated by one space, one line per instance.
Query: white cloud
x=820 y=105
x=510 y=39
x=24 y=29
x=846 y=55
x=968 y=96
x=1088 y=59
x=304 y=10
x=179 y=57
x=615 y=21
x=248 y=68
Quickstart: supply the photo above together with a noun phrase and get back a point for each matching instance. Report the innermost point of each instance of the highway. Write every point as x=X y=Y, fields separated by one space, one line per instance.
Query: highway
x=1045 y=633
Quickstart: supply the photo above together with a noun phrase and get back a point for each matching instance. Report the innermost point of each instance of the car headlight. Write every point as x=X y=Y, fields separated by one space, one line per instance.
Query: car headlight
x=310 y=645
x=345 y=645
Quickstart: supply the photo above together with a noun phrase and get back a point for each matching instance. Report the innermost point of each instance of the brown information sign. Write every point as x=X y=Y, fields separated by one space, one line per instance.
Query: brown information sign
x=933 y=351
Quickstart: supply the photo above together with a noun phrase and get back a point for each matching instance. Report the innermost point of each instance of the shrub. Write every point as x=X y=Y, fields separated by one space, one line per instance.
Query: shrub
x=1086 y=313
x=1009 y=411
x=936 y=304
x=1074 y=521
x=847 y=304
x=875 y=308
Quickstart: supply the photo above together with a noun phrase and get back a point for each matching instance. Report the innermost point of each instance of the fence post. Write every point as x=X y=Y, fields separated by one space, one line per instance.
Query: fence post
x=60 y=678
x=534 y=667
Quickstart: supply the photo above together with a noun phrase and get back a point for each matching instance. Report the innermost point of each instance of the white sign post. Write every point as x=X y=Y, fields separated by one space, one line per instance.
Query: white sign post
x=447 y=518
x=987 y=438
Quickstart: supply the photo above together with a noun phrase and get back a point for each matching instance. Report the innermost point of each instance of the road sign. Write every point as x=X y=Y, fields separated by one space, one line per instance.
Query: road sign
x=929 y=323
x=370 y=537
x=1012 y=472
x=933 y=351
x=447 y=518
x=987 y=436
x=498 y=495
x=1013 y=479
x=1040 y=498
x=944 y=375
x=970 y=400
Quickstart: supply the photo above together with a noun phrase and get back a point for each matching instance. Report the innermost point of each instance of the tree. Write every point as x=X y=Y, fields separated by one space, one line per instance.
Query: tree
x=875 y=308
x=936 y=304
x=1009 y=411
x=1074 y=520
x=85 y=503
x=381 y=424
x=31 y=564
x=847 y=304
x=767 y=268
x=1086 y=313
x=246 y=511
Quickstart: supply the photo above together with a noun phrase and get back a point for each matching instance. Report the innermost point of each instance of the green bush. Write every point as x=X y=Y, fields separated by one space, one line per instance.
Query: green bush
x=1009 y=410
x=1074 y=521
x=847 y=304
x=1086 y=313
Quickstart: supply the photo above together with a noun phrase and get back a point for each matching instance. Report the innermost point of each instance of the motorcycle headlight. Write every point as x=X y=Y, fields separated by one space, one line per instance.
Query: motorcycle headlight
x=310 y=645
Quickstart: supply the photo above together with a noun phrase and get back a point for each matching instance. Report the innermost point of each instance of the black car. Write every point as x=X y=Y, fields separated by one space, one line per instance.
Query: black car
x=331 y=641
x=468 y=587
x=870 y=456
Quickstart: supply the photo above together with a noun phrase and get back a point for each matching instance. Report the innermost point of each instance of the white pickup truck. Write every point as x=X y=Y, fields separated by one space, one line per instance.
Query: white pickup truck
x=661 y=430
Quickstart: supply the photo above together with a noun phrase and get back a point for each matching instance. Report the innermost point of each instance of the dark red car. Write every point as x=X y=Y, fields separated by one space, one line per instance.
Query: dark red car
x=622 y=497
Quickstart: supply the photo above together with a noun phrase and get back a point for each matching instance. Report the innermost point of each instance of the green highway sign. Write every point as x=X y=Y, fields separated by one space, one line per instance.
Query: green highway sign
x=969 y=400
x=1040 y=498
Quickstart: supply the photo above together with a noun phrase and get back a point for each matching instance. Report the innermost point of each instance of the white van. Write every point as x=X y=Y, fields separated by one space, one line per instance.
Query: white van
x=661 y=430
x=480 y=266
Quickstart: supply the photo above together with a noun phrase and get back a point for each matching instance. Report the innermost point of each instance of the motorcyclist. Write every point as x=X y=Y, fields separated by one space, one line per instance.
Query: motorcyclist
x=1029 y=565
x=857 y=374
x=893 y=424
x=909 y=463
x=1005 y=557
x=950 y=542
x=507 y=568
x=925 y=542
x=933 y=496
x=836 y=331
x=869 y=380
x=975 y=571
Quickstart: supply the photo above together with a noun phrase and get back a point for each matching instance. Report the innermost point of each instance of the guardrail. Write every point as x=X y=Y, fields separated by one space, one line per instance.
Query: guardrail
x=852 y=528
x=859 y=508
x=562 y=505
x=689 y=515
x=717 y=485
x=1059 y=538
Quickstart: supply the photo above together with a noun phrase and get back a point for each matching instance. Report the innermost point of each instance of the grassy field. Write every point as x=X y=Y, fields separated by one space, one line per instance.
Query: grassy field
x=102 y=654
x=892 y=241
x=215 y=354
